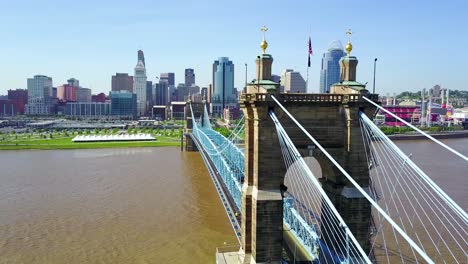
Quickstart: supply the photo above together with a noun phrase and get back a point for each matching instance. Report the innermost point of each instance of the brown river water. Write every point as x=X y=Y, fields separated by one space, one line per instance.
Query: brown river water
x=139 y=205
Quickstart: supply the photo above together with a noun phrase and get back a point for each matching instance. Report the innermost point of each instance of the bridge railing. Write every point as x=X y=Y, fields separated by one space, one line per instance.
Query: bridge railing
x=307 y=234
x=303 y=97
x=231 y=177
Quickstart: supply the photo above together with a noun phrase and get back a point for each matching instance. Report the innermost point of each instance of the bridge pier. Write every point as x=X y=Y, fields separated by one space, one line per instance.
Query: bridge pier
x=262 y=201
x=197 y=109
x=189 y=144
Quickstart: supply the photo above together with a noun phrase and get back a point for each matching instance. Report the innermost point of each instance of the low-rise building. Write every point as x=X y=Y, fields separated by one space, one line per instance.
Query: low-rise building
x=8 y=108
x=159 y=112
x=99 y=98
x=178 y=110
x=83 y=95
x=20 y=97
x=88 y=109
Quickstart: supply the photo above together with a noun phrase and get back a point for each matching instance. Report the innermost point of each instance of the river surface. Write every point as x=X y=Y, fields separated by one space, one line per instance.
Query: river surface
x=139 y=205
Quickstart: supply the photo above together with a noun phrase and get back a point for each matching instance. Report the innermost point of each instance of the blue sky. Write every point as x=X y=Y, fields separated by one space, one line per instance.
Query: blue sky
x=417 y=43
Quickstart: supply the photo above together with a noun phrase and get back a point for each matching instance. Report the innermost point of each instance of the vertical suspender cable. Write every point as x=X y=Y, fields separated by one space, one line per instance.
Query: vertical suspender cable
x=417 y=129
x=384 y=214
x=426 y=178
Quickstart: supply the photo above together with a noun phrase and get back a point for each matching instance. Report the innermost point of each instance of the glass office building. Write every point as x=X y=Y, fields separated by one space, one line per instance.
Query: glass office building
x=160 y=93
x=123 y=104
x=330 y=72
x=223 y=85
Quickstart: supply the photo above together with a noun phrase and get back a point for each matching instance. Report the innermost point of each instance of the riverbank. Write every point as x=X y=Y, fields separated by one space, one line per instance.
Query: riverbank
x=94 y=145
x=64 y=141
x=438 y=135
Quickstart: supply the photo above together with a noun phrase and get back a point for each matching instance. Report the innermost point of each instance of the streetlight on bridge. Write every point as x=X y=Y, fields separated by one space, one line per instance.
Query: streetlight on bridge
x=373 y=87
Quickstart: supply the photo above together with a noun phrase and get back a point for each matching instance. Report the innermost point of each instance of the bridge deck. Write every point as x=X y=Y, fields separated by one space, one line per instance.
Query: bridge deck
x=226 y=199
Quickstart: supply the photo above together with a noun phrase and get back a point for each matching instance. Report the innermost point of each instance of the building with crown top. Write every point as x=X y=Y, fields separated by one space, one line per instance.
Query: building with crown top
x=139 y=87
x=224 y=94
x=330 y=71
x=189 y=77
x=348 y=83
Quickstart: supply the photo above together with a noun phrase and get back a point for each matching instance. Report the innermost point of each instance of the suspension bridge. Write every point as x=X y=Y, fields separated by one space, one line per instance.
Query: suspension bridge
x=423 y=224
x=309 y=178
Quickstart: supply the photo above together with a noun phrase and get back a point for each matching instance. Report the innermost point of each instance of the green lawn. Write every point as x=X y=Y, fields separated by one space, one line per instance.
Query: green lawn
x=59 y=140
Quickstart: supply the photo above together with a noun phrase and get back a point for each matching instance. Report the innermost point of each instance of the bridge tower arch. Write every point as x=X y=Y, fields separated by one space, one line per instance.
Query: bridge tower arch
x=333 y=120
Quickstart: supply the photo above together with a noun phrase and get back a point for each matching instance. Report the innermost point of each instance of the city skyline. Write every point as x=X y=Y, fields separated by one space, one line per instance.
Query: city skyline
x=409 y=41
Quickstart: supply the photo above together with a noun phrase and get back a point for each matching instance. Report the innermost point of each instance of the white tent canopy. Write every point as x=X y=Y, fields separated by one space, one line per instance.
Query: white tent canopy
x=103 y=138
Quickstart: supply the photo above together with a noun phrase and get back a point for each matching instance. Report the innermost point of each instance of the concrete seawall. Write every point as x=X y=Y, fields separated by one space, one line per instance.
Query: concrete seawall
x=438 y=135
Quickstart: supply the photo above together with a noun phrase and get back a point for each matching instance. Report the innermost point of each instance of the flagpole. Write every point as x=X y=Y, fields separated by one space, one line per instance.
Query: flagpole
x=308 y=64
x=308 y=60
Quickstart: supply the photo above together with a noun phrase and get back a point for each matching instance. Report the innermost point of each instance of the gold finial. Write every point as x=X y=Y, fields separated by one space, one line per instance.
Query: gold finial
x=349 y=46
x=264 y=44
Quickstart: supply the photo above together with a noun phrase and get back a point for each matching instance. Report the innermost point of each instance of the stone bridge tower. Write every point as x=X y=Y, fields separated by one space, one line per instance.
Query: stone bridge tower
x=333 y=119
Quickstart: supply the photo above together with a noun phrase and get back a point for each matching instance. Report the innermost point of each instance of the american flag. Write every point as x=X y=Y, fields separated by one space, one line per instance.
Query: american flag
x=310 y=52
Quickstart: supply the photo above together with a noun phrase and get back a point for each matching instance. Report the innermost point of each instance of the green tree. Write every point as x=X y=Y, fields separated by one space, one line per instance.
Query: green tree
x=223 y=131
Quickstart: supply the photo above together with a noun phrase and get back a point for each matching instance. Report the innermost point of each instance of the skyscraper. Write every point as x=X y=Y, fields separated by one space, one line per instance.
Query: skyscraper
x=161 y=93
x=122 y=82
x=293 y=82
x=139 y=87
x=149 y=95
x=67 y=93
x=189 y=77
x=436 y=90
x=204 y=93
x=39 y=94
x=73 y=82
x=183 y=92
x=223 y=85
x=169 y=77
x=141 y=56
x=330 y=72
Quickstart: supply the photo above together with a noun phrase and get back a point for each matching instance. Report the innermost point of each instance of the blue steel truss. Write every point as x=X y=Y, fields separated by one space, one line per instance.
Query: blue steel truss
x=229 y=162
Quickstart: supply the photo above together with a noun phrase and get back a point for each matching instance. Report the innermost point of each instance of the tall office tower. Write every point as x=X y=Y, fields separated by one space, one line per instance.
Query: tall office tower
x=275 y=78
x=83 y=95
x=139 y=87
x=330 y=72
x=171 y=94
x=54 y=92
x=223 y=85
x=169 y=77
x=293 y=82
x=436 y=90
x=39 y=95
x=204 y=93
x=122 y=82
x=149 y=95
x=161 y=93
x=182 y=92
x=73 y=82
x=67 y=93
x=189 y=77
x=209 y=93
x=141 y=56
